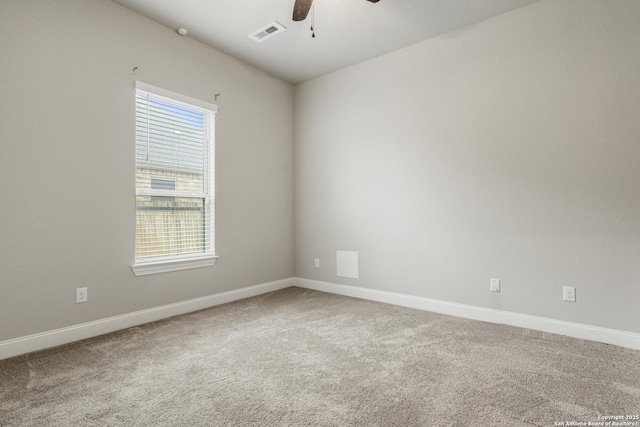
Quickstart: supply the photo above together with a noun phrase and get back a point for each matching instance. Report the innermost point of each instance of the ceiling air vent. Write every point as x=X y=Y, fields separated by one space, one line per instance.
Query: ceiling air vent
x=267 y=31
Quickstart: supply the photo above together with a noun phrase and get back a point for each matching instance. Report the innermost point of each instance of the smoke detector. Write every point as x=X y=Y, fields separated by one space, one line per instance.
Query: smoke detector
x=267 y=32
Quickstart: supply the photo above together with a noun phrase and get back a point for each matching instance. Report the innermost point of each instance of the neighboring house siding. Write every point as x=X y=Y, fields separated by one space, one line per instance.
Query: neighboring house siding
x=185 y=180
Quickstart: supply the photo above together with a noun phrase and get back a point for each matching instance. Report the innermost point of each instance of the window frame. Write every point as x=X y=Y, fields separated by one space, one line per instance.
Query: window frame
x=176 y=262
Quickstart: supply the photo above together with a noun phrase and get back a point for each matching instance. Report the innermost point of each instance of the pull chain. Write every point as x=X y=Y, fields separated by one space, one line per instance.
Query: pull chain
x=313 y=20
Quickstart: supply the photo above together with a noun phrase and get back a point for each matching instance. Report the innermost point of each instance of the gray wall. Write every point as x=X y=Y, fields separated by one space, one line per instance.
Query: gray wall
x=509 y=149
x=67 y=163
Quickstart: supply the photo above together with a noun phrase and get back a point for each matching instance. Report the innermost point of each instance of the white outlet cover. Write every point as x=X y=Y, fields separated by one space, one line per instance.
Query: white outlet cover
x=569 y=293
x=494 y=285
x=81 y=295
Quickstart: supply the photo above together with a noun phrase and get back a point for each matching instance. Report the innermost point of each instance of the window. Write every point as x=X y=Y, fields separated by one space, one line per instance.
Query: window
x=163 y=184
x=174 y=181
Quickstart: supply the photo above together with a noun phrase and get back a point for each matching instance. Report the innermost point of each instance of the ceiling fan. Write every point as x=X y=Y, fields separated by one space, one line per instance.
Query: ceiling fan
x=301 y=9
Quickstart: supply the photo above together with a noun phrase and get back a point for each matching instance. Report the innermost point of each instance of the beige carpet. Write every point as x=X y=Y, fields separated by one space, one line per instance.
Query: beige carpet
x=304 y=358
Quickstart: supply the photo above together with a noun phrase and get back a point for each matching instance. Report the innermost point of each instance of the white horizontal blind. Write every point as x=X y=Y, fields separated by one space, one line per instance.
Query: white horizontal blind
x=174 y=176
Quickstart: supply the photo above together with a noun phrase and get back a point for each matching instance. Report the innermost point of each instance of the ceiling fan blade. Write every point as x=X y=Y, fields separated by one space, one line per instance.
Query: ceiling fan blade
x=301 y=9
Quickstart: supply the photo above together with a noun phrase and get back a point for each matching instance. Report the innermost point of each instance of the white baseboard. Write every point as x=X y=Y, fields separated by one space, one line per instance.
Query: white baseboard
x=26 y=344
x=575 y=330
x=40 y=341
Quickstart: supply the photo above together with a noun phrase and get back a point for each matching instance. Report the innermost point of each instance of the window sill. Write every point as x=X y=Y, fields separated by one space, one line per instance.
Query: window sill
x=174 y=265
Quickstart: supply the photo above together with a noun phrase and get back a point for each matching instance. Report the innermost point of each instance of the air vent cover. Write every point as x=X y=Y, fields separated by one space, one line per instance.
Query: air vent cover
x=267 y=32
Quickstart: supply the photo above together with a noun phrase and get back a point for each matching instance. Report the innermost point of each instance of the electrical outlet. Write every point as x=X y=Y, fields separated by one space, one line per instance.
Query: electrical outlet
x=569 y=293
x=494 y=285
x=81 y=295
x=317 y=262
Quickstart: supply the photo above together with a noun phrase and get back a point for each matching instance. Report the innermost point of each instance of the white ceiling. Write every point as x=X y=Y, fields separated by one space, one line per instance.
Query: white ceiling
x=347 y=31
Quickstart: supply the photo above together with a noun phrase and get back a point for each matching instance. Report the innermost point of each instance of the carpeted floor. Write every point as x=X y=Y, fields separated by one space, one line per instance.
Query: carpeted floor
x=303 y=358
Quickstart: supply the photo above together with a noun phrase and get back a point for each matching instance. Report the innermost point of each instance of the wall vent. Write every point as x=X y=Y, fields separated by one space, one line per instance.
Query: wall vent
x=267 y=32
